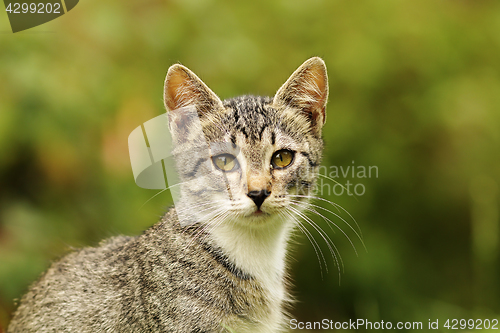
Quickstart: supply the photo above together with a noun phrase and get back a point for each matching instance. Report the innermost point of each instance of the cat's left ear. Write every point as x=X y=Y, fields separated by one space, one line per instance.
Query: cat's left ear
x=307 y=90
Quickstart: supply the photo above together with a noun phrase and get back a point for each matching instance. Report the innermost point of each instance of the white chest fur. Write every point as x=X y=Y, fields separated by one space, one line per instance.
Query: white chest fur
x=259 y=251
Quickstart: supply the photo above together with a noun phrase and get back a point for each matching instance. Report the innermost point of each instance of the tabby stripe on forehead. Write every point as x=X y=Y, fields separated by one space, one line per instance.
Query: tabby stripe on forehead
x=262 y=131
x=196 y=167
x=306 y=155
x=234 y=108
x=235 y=113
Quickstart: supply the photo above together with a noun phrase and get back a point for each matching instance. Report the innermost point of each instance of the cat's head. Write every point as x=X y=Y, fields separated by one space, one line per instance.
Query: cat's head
x=246 y=159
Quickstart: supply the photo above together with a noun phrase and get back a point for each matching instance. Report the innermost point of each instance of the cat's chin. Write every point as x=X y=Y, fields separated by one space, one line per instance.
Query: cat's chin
x=258 y=218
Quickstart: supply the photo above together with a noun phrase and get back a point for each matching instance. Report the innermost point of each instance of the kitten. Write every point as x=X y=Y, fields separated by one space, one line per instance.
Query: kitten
x=221 y=266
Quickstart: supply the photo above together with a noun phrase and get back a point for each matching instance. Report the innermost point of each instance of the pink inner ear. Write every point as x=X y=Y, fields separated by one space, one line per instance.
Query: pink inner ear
x=314 y=85
x=176 y=94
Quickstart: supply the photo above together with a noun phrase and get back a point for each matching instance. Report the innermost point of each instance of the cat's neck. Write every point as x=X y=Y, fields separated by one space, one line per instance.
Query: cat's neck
x=259 y=251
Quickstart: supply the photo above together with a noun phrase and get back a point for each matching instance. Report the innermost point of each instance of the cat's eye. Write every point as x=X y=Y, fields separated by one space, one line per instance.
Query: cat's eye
x=282 y=158
x=225 y=162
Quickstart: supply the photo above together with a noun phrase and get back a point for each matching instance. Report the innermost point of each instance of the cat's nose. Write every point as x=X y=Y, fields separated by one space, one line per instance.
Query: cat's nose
x=258 y=196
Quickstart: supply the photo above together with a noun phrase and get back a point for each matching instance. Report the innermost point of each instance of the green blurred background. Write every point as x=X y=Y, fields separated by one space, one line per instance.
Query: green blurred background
x=414 y=91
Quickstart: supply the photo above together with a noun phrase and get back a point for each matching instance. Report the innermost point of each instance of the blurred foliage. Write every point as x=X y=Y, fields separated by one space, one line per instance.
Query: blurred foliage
x=414 y=91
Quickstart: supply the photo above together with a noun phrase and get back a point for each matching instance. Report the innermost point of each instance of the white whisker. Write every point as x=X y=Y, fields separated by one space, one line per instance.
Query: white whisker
x=316 y=247
x=160 y=192
x=326 y=238
x=306 y=206
x=202 y=227
x=337 y=206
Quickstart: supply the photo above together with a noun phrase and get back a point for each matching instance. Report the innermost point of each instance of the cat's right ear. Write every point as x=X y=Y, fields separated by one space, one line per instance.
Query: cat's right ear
x=183 y=88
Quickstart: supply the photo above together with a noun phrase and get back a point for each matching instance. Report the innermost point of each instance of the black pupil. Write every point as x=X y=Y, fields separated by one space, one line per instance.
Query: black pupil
x=280 y=156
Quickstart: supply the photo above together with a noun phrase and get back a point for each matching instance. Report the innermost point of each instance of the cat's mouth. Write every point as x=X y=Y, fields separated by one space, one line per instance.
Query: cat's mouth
x=258 y=212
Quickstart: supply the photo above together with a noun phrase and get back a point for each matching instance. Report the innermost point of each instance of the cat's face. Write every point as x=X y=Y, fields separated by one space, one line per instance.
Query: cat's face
x=247 y=159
